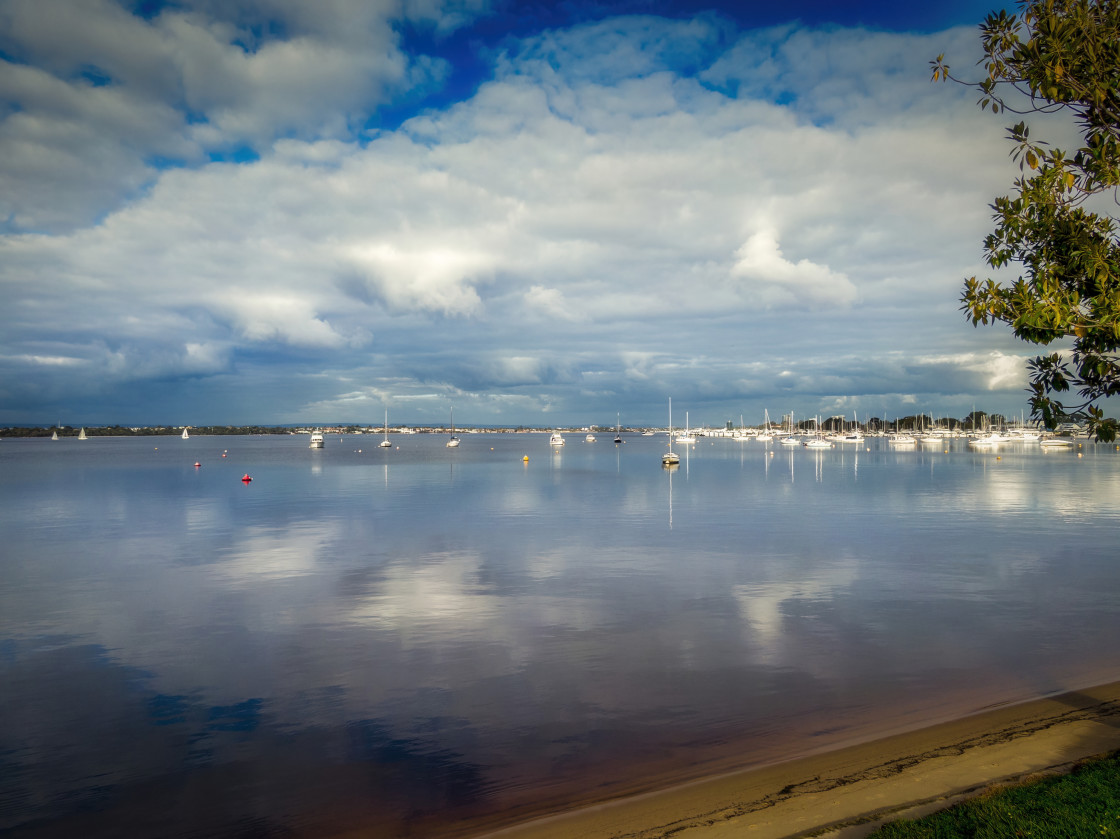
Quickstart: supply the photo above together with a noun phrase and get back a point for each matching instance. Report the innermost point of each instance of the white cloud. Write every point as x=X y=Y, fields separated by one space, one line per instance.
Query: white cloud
x=434 y=279
x=596 y=204
x=95 y=94
x=776 y=280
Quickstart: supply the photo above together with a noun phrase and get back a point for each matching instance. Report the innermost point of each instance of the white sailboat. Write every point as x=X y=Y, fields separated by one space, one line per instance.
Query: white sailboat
x=453 y=443
x=685 y=436
x=900 y=438
x=857 y=435
x=82 y=434
x=818 y=441
x=54 y=435
x=385 y=444
x=618 y=429
x=186 y=436
x=670 y=458
x=790 y=439
x=844 y=436
x=766 y=436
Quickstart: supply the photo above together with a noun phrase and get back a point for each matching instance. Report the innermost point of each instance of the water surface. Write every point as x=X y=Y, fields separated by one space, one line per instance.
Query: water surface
x=403 y=640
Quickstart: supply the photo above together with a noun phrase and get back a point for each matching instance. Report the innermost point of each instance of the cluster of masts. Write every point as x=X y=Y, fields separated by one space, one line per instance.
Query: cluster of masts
x=787 y=434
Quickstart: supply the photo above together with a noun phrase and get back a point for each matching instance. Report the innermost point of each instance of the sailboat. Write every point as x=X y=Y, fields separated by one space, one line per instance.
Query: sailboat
x=186 y=436
x=82 y=434
x=817 y=441
x=766 y=436
x=670 y=458
x=453 y=443
x=685 y=436
x=790 y=440
x=385 y=444
x=54 y=435
x=617 y=429
x=856 y=436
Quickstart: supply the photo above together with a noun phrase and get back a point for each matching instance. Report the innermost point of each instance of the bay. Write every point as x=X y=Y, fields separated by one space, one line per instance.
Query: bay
x=422 y=641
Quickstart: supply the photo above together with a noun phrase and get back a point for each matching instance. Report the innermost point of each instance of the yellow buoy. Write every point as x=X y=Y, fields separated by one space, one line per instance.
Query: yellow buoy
x=526 y=458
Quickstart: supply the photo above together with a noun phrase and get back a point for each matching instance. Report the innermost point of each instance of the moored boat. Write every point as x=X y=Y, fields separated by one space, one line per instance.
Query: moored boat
x=385 y=444
x=453 y=443
x=1055 y=443
x=670 y=458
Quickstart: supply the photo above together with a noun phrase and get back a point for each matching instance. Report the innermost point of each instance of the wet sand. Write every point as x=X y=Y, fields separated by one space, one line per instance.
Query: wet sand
x=848 y=792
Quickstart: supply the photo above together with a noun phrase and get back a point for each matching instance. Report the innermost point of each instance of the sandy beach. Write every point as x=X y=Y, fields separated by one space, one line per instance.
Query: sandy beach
x=848 y=792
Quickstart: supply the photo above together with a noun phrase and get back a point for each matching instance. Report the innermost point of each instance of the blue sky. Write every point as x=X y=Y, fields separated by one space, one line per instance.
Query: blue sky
x=540 y=213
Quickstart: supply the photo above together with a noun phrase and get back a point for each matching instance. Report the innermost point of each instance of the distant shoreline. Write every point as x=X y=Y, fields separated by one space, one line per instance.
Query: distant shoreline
x=279 y=430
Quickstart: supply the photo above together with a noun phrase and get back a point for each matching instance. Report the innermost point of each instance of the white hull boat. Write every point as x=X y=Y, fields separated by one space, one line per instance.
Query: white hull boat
x=385 y=444
x=670 y=458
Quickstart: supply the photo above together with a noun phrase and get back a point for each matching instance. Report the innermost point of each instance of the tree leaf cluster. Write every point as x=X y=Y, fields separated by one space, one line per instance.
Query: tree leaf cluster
x=1056 y=56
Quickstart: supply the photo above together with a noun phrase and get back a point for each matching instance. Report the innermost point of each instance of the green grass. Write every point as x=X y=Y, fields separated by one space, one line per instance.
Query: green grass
x=1080 y=805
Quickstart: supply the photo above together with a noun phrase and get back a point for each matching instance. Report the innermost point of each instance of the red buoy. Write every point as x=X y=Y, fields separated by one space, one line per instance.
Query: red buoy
x=197 y=464
x=246 y=479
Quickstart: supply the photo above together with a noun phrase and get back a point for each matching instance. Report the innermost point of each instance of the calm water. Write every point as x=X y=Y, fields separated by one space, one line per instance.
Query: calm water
x=404 y=640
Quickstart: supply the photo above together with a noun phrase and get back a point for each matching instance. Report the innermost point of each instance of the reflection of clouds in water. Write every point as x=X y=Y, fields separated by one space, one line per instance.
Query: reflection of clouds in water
x=202 y=515
x=538 y=614
x=274 y=552
x=443 y=599
x=1014 y=481
x=763 y=605
x=438 y=589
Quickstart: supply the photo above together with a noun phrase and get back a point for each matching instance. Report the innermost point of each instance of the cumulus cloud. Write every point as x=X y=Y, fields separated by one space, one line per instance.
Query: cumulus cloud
x=623 y=207
x=774 y=279
x=94 y=97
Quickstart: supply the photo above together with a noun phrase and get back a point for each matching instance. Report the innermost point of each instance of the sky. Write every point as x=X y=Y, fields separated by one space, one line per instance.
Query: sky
x=541 y=214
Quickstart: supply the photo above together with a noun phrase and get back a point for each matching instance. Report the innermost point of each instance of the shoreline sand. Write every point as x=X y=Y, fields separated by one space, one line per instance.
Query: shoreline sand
x=848 y=792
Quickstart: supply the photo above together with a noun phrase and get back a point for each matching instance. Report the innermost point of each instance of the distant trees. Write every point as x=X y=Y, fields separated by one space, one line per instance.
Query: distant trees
x=1062 y=56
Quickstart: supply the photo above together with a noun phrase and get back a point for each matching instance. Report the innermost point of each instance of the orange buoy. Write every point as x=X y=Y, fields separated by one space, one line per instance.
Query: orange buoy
x=246 y=479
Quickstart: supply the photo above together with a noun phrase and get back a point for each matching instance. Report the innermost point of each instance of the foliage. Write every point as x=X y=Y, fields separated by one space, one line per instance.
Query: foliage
x=1057 y=56
x=1085 y=803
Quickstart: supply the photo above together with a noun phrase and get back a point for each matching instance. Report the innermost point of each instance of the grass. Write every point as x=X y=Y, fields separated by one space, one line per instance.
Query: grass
x=1085 y=804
